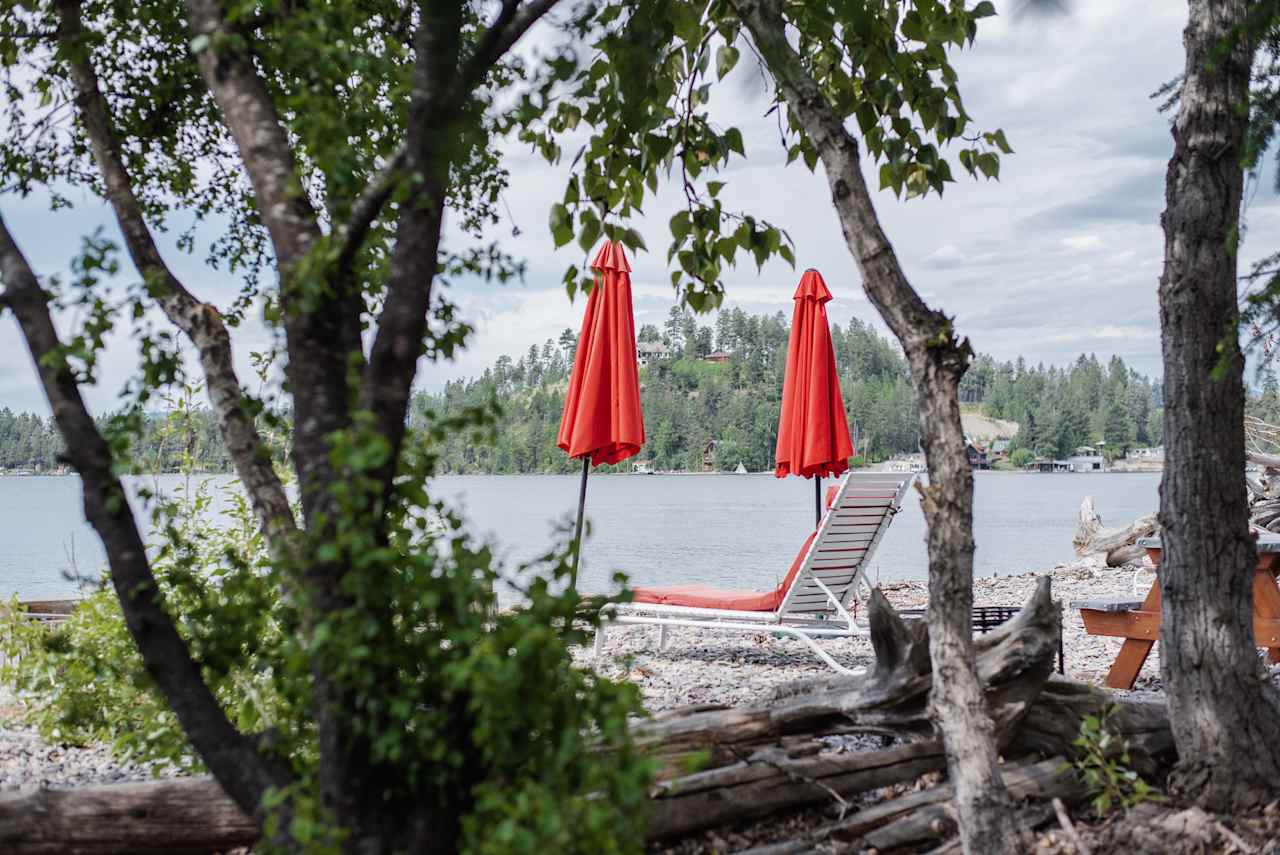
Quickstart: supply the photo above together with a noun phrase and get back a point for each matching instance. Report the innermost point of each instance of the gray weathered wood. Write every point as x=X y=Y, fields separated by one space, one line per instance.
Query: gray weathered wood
x=177 y=816
x=934 y=819
x=1116 y=544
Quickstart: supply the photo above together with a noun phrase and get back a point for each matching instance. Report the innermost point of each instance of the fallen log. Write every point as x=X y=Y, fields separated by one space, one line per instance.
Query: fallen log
x=753 y=760
x=923 y=816
x=180 y=815
x=771 y=780
x=1118 y=545
x=934 y=820
x=1014 y=660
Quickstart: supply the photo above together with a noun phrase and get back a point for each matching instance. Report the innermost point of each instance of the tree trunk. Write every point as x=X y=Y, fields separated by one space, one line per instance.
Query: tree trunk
x=1222 y=710
x=938 y=359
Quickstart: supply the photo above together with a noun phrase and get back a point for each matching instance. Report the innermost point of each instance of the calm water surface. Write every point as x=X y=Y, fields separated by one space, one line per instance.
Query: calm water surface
x=726 y=530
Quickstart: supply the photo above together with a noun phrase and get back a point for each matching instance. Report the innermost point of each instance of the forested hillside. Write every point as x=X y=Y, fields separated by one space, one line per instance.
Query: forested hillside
x=186 y=437
x=689 y=401
x=1059 y=409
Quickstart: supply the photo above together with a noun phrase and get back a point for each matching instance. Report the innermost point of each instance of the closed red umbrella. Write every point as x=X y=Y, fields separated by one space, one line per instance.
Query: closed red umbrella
x=813 y=430
x=602 y=420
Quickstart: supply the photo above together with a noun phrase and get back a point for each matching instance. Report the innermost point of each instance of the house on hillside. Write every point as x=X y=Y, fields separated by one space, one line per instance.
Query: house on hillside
x=716 y=356
x=977 y=455
x=1086 y=459
x=998 y=452
x=650 y=351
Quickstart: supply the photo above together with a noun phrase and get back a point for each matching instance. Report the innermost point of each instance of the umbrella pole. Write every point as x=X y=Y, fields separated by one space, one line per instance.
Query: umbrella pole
x=817 y=500
x=577 y=533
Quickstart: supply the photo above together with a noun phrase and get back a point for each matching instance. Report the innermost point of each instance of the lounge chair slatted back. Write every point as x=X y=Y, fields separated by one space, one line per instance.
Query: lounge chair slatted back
x=847 y=538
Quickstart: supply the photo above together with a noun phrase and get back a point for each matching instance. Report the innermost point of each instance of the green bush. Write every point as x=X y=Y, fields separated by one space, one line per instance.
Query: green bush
x=1020 y=457
x=83 y=680
x=481 y=709
x=1103 y=764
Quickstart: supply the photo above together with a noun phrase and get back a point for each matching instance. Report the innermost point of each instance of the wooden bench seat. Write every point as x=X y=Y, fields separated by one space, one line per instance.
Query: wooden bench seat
x=1113 y=605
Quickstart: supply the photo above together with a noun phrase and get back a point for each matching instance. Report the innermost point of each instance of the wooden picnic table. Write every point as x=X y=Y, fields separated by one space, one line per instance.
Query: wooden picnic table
x=1140 y=627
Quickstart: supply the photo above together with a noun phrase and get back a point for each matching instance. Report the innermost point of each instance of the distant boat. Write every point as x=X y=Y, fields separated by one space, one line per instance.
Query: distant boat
x=741 y=470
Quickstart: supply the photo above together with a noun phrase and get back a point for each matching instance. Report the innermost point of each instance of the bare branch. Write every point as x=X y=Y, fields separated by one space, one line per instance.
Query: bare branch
x=230 y=755
x=201 y=322
x=513 y=21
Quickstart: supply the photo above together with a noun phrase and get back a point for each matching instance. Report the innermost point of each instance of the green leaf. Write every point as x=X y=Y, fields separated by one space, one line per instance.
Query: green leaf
x=985 y=9
x=989 y=163
x=561 y=225
x=685 y=20
x=714 y=188
x=589 y=232
x=887 y=176
x=726 y=59
x=632 y=239
x=733 y=139
x=680 y=226
x=1001 y=142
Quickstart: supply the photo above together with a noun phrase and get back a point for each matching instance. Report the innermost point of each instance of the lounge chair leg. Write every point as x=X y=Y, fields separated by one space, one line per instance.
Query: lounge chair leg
x=662 y=637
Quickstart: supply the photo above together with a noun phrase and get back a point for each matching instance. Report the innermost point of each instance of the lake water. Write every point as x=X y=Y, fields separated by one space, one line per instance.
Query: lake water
x=728 y=530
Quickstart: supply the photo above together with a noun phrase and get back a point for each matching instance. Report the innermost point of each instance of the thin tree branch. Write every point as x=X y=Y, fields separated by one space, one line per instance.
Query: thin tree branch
x=368 y=206
x=255 y=125
x=512 y=22
x=201 y=322
x=429 y=149
x=323 y=332
x=245 y=774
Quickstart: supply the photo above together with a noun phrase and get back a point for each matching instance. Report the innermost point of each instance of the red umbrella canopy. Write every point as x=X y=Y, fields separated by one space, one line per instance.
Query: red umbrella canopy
x=602 y=414
x=813 y=431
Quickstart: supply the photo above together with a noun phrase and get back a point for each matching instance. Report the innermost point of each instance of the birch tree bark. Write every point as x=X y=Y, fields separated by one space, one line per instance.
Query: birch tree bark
x=1222 y=709
x=938 y=358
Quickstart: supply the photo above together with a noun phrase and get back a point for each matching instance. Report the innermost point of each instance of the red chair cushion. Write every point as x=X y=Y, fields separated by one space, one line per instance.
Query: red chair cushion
x=706 y=597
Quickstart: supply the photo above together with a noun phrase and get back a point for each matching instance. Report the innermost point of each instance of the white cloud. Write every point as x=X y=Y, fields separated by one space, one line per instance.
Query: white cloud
x=1085 y=184
x=1082 y=243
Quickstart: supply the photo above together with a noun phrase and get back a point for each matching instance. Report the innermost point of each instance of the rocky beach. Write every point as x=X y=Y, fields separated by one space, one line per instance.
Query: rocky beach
x=704 y=667
x=697 y=667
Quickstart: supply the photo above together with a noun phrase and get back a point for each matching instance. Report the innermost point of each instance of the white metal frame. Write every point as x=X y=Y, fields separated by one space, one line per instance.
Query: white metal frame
x=833 y=620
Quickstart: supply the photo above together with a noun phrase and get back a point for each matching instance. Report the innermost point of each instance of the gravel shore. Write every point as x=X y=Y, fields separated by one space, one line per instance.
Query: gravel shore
x=698 y=667
x=27 y=760
x=703 y=666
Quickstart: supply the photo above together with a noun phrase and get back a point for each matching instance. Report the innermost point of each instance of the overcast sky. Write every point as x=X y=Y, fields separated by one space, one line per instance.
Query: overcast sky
x=1059 y=257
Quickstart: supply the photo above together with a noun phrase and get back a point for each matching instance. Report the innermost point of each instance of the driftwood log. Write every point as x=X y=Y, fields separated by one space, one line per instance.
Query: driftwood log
x=180 y=816
x=752 y=761
x=1117 y=545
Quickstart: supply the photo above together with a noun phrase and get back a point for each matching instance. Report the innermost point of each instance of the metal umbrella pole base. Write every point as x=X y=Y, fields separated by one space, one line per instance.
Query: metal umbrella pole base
x=577 y=532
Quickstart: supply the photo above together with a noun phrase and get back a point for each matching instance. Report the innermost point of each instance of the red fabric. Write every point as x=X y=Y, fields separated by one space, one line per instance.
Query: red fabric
x=813 y=430
x=602 y=414
x=706 y=597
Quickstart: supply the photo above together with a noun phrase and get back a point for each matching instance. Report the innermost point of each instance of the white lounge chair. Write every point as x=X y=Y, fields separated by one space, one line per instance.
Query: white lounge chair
x=813 y=600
